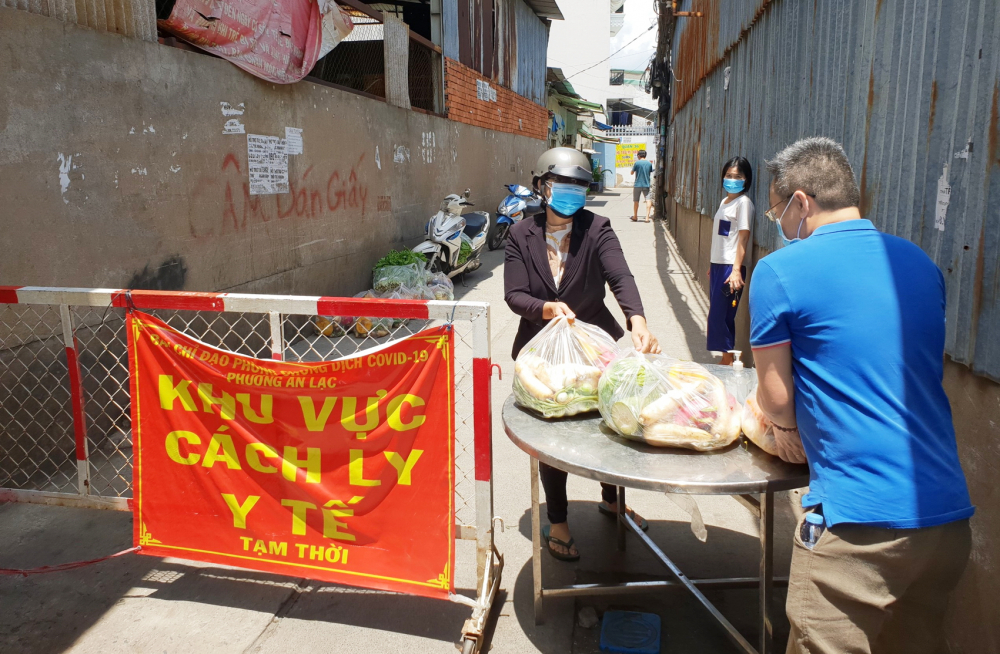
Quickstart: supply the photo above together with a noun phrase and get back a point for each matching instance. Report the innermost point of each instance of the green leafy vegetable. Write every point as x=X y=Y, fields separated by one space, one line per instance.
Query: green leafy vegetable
x=402 y=257
x=464 y=252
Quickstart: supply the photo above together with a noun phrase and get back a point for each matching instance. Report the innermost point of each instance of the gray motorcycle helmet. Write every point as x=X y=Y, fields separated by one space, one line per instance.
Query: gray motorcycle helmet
x=566 y=162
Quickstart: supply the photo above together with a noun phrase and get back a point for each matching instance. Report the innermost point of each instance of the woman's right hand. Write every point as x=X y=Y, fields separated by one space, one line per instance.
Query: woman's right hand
x=556 y=309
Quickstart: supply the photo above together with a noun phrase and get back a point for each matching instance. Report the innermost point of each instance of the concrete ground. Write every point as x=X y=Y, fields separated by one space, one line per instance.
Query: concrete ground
x=139 y=604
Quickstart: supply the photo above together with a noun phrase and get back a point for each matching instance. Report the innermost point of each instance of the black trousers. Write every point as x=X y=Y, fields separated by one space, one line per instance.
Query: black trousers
x=554 y=483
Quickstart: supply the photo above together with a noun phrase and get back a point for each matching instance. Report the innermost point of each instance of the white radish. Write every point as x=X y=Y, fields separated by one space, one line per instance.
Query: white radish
x=535 y=387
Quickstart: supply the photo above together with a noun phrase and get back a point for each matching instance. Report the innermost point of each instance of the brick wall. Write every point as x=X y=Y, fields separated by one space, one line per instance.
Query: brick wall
x=510 y=113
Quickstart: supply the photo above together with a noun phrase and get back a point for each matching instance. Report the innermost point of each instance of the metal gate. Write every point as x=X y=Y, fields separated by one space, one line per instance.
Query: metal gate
x=65 y=421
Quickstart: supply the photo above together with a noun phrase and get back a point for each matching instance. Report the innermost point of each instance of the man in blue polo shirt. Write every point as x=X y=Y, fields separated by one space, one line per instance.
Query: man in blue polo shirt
x=847 y=330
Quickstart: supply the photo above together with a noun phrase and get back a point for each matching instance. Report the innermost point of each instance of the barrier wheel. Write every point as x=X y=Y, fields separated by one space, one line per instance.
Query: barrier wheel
x=469 y=647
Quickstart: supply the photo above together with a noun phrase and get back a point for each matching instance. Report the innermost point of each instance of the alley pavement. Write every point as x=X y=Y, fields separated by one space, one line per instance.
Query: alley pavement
x=138 y=604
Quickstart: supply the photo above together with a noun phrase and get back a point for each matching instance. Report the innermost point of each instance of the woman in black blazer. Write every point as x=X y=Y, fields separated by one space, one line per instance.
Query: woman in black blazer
x=557 y=264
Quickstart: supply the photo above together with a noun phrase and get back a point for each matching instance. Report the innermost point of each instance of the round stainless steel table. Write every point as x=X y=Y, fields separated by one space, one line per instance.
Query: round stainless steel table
x=584 y=446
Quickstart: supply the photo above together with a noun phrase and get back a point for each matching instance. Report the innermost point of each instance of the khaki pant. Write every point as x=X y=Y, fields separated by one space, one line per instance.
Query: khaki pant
x=865 y=590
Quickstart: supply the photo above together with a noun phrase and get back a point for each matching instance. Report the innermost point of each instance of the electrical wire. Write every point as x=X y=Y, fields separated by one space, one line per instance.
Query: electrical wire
x=642 y=34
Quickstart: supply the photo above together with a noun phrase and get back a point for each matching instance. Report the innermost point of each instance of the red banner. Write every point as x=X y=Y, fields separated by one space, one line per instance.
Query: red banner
x=341 y=471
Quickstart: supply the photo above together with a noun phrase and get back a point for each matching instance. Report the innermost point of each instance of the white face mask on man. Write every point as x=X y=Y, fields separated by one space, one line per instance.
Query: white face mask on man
x=784 y=239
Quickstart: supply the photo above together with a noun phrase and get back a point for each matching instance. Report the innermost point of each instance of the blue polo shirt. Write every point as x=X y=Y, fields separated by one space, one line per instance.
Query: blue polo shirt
x=864 y=314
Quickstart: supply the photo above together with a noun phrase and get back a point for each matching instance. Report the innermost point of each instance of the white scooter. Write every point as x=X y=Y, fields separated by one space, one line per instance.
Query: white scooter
x=454 y=241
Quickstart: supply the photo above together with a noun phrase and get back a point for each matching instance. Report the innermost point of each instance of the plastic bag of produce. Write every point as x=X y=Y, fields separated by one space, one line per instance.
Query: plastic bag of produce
x=332 y=326
x=390 y=278
x=756 y=427
x=440 y=287
x=667 y=403
x=557 y=372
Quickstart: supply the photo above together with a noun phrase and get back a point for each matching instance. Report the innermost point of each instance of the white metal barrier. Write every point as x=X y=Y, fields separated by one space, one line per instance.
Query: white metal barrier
x=65 y=422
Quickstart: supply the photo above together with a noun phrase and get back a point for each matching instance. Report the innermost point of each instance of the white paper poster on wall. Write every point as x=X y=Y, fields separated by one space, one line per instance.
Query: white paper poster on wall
x=268 y=164
x=293 y=140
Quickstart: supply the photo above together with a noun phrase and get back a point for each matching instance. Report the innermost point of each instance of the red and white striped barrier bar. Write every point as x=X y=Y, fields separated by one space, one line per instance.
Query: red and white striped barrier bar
x=244 y=303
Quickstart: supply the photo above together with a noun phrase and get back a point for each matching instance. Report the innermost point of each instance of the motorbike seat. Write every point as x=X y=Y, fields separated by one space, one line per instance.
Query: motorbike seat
x=474 y=223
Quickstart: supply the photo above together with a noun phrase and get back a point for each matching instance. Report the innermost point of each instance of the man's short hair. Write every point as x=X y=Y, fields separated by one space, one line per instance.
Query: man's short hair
x=642 y=154
x=817 y=165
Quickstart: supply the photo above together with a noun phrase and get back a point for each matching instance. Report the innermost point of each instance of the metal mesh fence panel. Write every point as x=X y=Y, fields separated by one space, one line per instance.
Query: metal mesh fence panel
x=424 y=73
x=102 y=346
x=358 y=62
x=37 y=445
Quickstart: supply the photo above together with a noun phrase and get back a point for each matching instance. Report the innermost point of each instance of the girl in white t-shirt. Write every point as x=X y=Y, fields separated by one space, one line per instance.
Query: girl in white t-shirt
x=730 y=235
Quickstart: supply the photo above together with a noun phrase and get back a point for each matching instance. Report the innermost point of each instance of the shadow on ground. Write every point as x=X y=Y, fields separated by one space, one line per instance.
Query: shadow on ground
x=687 y=625
x=48 y=613
x=674 y=273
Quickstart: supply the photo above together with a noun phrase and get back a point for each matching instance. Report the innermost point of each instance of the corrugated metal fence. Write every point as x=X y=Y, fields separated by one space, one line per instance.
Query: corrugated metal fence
x=132 y=18
x=910 y=87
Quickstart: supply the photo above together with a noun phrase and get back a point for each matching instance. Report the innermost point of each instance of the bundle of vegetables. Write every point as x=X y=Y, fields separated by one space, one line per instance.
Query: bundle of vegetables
x=557 y=372
x=401 y=258
x=391 y=278
x=667 y=403
x=756 y=427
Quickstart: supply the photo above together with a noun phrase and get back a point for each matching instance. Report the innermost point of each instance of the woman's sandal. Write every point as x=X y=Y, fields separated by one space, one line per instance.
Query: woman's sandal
x=606 y=509
x=558 y=555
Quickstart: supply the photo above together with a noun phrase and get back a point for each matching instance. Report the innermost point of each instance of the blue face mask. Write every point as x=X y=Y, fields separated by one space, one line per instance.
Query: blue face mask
x=784 y=239
x=733 y=185
x=567 y=199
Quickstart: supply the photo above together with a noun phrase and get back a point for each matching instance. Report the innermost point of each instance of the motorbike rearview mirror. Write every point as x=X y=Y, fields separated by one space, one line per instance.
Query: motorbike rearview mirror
x=468 y=192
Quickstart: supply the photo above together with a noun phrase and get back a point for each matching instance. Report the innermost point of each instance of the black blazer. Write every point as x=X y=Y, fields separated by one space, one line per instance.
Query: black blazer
x=595 y=258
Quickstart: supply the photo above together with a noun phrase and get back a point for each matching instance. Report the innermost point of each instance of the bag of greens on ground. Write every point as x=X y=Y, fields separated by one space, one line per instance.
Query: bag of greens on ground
x=557 y=372
x=664 y=402
x=756 y=427
x=390 y=278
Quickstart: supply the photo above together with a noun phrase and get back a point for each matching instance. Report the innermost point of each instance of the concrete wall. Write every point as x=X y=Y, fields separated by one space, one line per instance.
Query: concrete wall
x=974 y=616
x=114 y=170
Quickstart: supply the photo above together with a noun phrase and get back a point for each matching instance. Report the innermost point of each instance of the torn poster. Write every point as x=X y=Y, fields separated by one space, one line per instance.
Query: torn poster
x=293 y=140
x=268 y=164
x=234 y=126
x=230 y=110
x=277 y=41
x=943 y=200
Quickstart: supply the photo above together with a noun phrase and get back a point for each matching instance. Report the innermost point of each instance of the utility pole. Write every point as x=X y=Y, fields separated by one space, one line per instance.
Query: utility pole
x=661 y=87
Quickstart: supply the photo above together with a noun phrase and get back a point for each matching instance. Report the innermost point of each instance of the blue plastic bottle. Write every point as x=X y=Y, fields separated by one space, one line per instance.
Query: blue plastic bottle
x=812 y=529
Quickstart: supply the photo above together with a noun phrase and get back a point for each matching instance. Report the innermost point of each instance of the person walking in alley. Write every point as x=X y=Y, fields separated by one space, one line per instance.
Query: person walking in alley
x=557 y=264
x=641 y=171
x=730 y=235
x=848 y=331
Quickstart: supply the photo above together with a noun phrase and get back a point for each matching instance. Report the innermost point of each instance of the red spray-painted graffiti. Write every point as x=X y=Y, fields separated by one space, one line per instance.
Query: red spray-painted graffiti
x=308 y=197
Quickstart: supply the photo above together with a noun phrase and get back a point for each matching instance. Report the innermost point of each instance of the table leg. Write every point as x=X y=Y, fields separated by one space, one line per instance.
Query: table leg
x=536 y=543
x=766 y=572
x=622 y=527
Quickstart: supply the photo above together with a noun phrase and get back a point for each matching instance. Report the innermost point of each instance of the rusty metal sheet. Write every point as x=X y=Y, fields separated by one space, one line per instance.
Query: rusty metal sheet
x=911 y=88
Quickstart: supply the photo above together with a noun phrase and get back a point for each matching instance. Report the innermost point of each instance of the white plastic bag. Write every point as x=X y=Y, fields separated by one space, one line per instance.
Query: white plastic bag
x=557 y=372
x=664 y=402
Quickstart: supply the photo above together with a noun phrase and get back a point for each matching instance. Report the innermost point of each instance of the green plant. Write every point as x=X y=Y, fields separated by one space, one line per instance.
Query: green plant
x=402 y=257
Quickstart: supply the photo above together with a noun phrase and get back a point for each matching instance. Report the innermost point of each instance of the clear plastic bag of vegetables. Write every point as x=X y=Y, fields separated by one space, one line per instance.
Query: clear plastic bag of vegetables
x=440 y=287
x=391 y=278
x=557 y=372
x=665 y=402
x=756 y=427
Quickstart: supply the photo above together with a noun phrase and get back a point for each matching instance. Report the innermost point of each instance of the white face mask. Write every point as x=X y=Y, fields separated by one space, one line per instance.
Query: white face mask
x=784 y=239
